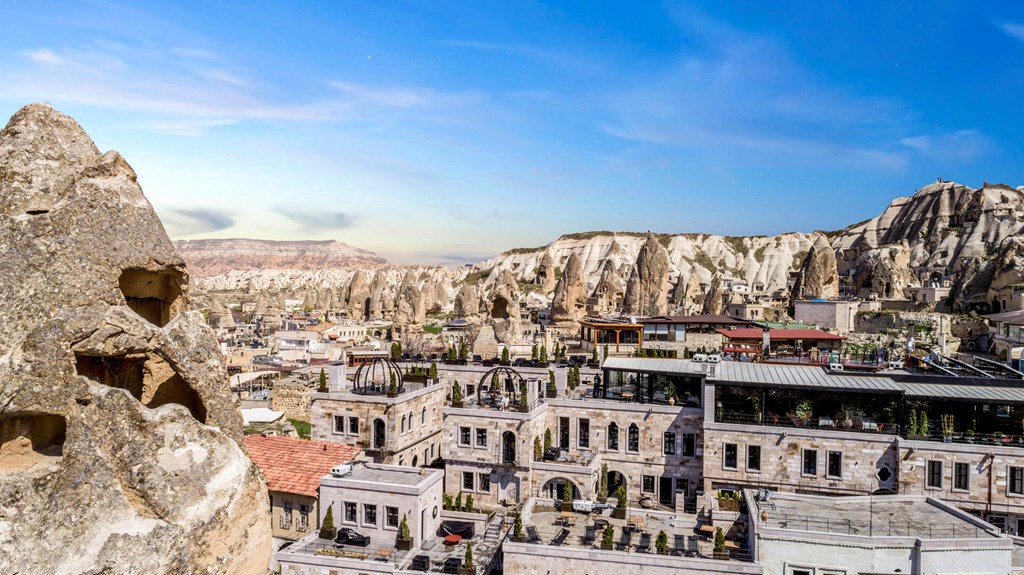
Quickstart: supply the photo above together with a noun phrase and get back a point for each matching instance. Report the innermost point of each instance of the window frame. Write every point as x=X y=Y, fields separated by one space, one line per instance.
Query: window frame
x=583 y=433
x=387 y=517
x=929 y=474
x=633 y=429
x=465 y=438
x=613 y=437
x=957 y=466
x=483 y=483
x=735 y=448
x=1019 y=480
x=480 y=432
x=750 y=452
x=338 y=419
x=828 y=463
x=367 y=508
x=353 y=425
x=692 y=451
x=471 y=485
x=804 y=461
x=348 y=506
x=668 y=443
x=644 y=481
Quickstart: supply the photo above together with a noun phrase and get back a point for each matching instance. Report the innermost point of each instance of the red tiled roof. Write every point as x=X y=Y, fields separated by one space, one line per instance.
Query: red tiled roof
x=778 y=334
x=294 y=465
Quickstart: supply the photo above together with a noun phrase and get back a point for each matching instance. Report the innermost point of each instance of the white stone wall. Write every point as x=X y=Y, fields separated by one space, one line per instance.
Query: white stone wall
x=531 y=559
x=838 y=315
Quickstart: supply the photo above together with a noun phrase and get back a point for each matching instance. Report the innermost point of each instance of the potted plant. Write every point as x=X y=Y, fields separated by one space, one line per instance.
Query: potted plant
x=671 y=392
x=456 y=395
x=602 y=484
x=969 y=434
x=947 y=427
x=620 y=505
x=719 y=550
x=608 y=538
x=327 y=529
x=322 y=388
x=524 y=406
x=661 y=543
x=467 y=562
x=393 y=387
x=517 y=529
x=404 y=541
x=997 y=437
x=538 y=451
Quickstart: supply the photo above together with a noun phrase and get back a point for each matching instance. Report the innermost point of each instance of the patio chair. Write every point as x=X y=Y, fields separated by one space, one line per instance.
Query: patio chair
x=679 y=544
x=645 y=543
x=589 y=535
x=624 y=541
x=531 y=534
x=560 y=538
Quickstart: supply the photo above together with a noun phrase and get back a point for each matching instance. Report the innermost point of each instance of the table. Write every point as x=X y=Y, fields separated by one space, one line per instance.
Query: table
x=566 y=517
x=731 y=544
x=452 y=539
x=601 y=523
x=384 y=553
x=637 y=521
x=628 y=396
x=706 y=529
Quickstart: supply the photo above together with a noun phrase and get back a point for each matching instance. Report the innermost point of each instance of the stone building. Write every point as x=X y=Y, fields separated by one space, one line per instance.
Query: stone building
x=399 y=424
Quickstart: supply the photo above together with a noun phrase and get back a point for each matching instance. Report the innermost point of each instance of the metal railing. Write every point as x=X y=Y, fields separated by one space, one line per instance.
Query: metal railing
x=872 y=528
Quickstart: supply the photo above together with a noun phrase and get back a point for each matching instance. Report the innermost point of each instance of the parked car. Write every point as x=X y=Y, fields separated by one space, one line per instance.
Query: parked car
x=349 y=536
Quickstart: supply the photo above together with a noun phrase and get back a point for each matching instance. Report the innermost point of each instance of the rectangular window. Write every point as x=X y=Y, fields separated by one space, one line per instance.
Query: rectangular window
x=810 y=462
x=934 y=478
x=584 y=433
x=353 y=426
x=689 y=445
x=467 y=480
x=730 y=452
x=648 y=486
x=481 y=438
x=753 y=458
x=339 y=424
x=391 y=516
x=485 y=483
x=961 y=476
x=1016 y=482
x=670 y=443
x=834 y=461
x=369 y=514
x=464 y=434
x=350 y=512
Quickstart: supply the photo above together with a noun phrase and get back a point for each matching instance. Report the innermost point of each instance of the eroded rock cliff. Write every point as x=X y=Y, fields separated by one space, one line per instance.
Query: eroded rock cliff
x=120 y=443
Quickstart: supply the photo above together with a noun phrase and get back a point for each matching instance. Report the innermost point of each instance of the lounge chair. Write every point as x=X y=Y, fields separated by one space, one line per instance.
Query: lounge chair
x=624 y=541
x=645 y=543
x=531 y=534
x=560 y=538
x=589 y=535
x=679 y=544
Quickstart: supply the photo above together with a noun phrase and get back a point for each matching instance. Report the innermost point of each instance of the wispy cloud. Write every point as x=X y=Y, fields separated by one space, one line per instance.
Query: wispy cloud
x=192 y=127
x=194 y=53
x=319 y=221
x=181 y=222
x=44 y=56
x=1014 y=30
x=961 y=145
x=560 y=59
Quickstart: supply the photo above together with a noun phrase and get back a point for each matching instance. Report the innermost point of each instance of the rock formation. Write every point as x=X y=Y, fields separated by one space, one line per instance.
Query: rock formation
x=467 y=302
x=357 y=299
x=504 y=310
x=647 y=290
x=610 y=289
x=714 y=299
x=885 y=272
x=686 y=297
x=546 y=274
x=570 y=302
x=409 y=306
x=120 y=443
x=818 y=277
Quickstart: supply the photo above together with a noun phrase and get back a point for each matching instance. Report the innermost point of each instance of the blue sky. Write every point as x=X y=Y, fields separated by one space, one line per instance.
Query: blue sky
x=446 y=132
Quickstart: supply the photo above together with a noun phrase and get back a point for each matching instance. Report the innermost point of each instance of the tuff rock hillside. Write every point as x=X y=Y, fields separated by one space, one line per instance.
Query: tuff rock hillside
x=120 y=444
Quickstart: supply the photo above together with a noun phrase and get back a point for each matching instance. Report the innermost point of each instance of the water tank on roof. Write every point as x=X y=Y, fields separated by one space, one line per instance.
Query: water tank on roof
x=341 y=470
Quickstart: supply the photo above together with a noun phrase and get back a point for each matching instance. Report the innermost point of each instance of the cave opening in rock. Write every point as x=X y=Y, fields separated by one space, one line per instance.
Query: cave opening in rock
x=30 y=439
x=146 y=376
x=154 y=295
x=500 y=308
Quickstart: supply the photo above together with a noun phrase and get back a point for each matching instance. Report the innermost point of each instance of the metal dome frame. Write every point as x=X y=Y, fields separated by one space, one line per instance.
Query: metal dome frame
x=375 y=376
x=517 y=378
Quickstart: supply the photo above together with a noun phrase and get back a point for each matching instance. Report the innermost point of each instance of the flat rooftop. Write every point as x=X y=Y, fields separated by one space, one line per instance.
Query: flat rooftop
x=872 y=516
x=380 y=474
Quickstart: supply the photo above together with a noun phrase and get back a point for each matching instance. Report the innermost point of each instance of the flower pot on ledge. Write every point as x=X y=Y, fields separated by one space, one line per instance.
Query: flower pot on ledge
x=721 y=555
x=328 y=533
x=403 y=544
x=470 y=570
x=618 y=513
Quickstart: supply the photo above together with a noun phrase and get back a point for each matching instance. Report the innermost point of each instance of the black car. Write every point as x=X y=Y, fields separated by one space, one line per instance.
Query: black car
x=348 y=536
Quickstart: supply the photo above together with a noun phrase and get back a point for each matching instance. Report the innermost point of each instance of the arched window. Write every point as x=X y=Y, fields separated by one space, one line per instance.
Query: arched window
x=423 y=416
x=403 y=424
x=633 y=440
x=508 y=448
x=613 y=436
x=378 y=433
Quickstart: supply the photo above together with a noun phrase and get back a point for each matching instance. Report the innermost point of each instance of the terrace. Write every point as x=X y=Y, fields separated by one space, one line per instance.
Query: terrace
x=500 y=389
x=636 y=534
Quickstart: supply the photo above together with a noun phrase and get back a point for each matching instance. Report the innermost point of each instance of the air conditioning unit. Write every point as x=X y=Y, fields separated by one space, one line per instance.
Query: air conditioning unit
x=341 y=470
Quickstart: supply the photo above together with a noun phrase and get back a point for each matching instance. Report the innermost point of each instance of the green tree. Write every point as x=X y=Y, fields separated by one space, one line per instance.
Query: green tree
x=543 y=353
x=450 y=354
x=620 y=495
x=605 y=352
x=912 y=423
x=593 y=356
x=547 y=439
x=463 y=349
x=661 y=542
x=567 y=496
x=432 y=374
x=538 y=451
x=504 y=355
x=719 y=540
x=523 y=400
x=393 y=386
x=533 y=352
x=329 y=518
x=447 y=501
x=323 y=381
x=468 y=505
x=602 y=482
x=457 y=506
x=517 y=526
x=552 y=388
x=922 y=423
x=468 y=562
x=608 y=537
x=456 y=393
x=403 y=529
x=396 y=350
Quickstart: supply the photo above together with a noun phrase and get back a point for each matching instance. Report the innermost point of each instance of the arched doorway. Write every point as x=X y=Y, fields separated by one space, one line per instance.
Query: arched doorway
x=508 y=448
x=379 y=433
x=555 y=489
x=615 y=479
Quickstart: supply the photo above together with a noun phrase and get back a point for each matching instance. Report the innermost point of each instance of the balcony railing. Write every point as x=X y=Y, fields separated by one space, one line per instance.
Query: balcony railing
x=302 y=524
x=285 y=521
x=818 y=422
